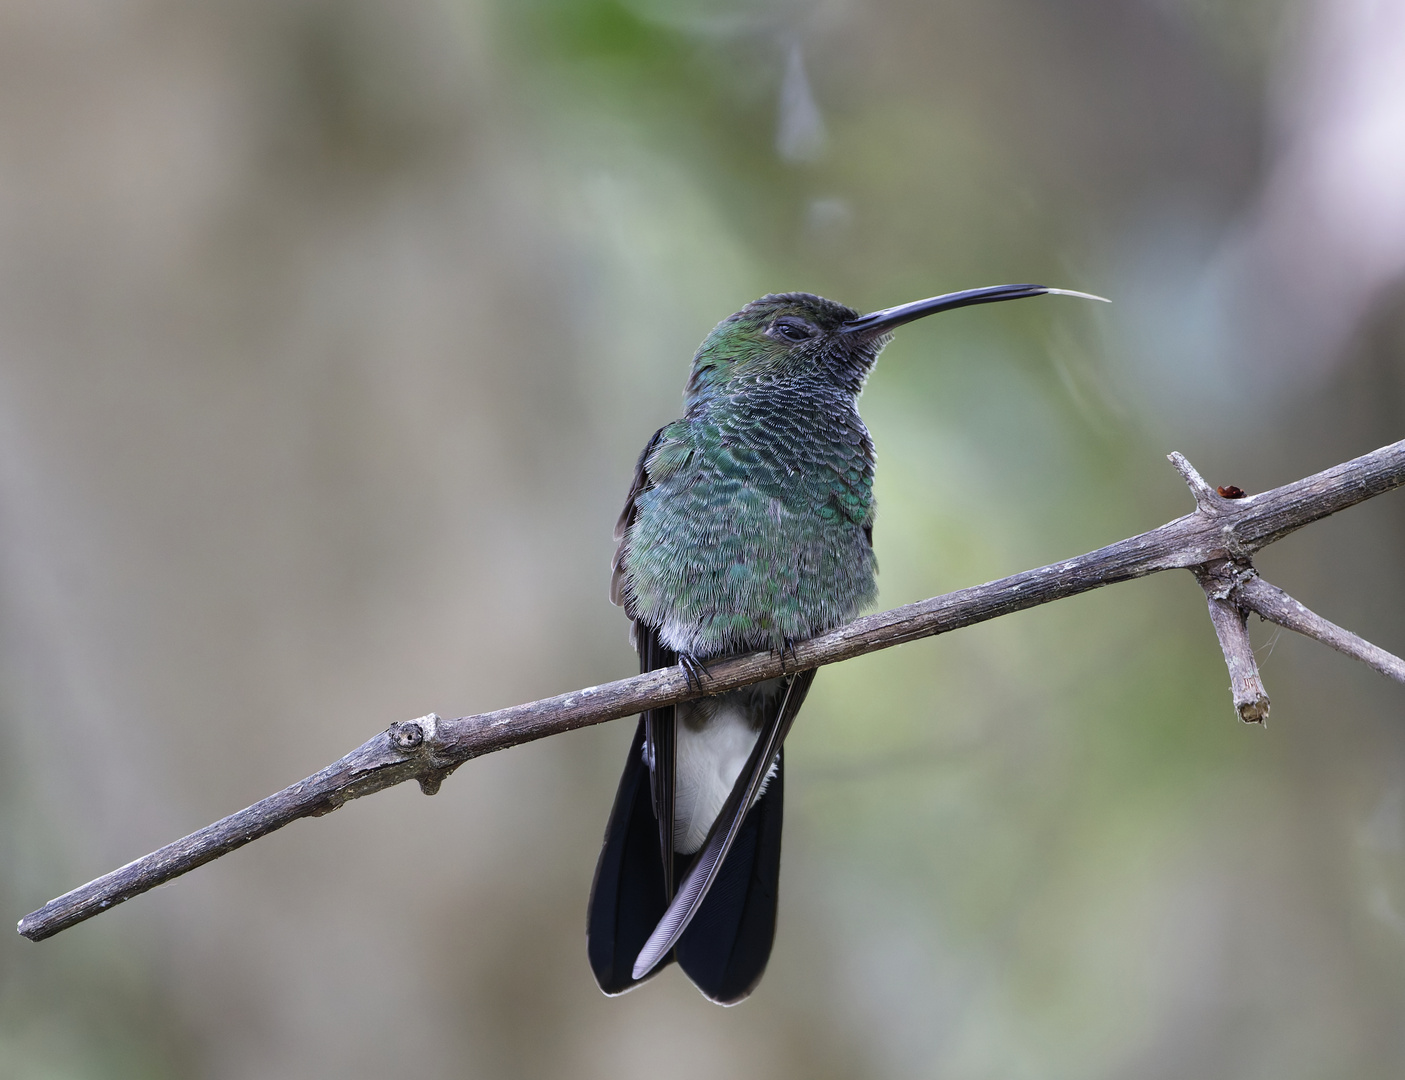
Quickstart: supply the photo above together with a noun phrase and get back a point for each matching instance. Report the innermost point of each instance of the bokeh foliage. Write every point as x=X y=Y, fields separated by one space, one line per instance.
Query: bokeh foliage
x=332 y=332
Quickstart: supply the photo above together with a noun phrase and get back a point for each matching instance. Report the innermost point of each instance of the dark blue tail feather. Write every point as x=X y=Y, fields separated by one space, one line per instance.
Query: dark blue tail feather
x=628 y=898
x=726 y=946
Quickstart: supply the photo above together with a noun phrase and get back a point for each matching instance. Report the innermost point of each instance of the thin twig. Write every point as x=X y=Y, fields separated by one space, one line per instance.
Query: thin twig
x=1204 y=494
x=1219 y=580
x=429 y=749
x=1272 y=603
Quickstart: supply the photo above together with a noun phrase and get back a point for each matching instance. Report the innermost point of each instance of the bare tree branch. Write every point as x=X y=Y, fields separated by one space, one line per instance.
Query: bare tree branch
x=1272 y=603
x=1222 y=529
x=1219 y=580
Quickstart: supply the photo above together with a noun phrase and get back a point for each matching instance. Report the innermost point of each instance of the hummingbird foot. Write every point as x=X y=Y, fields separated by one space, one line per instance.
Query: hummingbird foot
x=787 y=649
x=694 y=670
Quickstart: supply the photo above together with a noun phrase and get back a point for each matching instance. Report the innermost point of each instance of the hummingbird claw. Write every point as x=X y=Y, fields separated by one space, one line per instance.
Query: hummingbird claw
x=694 y=670
x=787 y=649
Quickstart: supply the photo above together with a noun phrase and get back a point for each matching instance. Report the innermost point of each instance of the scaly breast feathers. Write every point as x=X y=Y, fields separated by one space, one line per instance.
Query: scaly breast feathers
x=738 y=541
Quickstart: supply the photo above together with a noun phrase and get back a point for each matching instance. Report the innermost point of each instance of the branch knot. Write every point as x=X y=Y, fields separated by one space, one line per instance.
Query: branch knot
x=1222 y=577
x=407 y=735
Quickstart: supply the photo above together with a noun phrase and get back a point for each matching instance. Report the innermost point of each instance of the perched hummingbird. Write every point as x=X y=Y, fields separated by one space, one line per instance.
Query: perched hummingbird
x=749 y=526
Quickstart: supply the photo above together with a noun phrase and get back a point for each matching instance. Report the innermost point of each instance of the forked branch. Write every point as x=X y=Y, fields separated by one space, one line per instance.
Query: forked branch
x=1217 y=541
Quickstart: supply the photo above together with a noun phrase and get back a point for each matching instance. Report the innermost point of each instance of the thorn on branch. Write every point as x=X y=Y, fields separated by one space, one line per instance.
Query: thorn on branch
x=1208 y=499
x=430 y=781
x=1203 y=492
x=1220 y=579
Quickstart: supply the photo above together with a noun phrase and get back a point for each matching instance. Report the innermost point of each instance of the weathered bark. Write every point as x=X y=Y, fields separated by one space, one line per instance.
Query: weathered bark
x=1217 y=542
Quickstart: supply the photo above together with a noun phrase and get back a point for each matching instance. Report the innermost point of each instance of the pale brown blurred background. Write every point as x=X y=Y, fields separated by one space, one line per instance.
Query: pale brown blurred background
x=329 y=332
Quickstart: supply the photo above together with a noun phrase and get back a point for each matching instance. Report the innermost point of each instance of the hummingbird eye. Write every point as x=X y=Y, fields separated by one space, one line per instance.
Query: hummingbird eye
x=792 y=329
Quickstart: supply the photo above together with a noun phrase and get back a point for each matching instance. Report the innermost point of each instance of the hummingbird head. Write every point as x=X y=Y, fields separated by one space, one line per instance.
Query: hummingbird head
x=782 y=336
x=795 y=336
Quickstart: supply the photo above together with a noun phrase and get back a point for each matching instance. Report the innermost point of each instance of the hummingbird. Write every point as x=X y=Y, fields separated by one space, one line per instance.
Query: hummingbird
x=748 y=526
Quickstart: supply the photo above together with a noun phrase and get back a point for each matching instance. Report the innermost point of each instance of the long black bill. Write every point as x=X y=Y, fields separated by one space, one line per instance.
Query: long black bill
x=879 y=322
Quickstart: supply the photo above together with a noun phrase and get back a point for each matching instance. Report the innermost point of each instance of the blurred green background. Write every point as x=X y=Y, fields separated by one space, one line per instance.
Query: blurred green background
x=329 y=332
